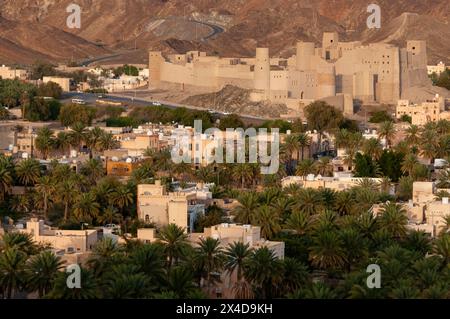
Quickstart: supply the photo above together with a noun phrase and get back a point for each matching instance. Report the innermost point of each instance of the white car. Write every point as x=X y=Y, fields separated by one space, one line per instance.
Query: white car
x=226 y=113
x=156 y=104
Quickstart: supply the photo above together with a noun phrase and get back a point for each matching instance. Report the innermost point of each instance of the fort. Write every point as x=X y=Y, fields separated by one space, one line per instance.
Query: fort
x=340 y=73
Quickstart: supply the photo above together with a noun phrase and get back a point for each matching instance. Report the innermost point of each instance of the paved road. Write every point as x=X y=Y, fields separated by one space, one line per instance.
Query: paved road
x=90 y=98
x=215 y=29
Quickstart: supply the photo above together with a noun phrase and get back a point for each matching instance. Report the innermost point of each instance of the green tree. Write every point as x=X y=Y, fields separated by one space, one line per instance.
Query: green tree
x=12 y=265
x=327 y=251
x=231 y=121
x=41 y=271
x=245 y=212
x=174 y=240
x=47 y=188
x=71 y=114
x=322 y=117
x=264 y=271
x=28 y=172
x=393 y=218
x=387 y=131
x=86 y=208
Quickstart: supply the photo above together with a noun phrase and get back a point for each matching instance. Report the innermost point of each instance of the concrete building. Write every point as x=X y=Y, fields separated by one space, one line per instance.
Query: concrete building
x=247 y=234
x=137 y=144
x=8 y=73
x=339 y=71
x=428 y=111
x=64 y=83
x=438 y=68
x=156 y=205
x=121 y=168
x=71 y=241
x=337 y=183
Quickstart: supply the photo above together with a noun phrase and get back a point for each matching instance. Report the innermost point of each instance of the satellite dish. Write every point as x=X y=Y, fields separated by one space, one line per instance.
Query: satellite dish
x=129 y=160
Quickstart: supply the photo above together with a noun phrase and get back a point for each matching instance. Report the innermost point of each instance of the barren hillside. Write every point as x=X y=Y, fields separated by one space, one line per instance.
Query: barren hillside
x=232 y=27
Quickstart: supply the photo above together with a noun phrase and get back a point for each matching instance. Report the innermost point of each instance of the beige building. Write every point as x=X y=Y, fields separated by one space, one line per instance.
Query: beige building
x=428 y=111
x=341 y=71
x=318 y=182
x=425 y=211
x=71 y=241
x=156 y=205
x=64 y=83
x=137 y=144
x=247 y=234
x=438 y=68
x=8 y=73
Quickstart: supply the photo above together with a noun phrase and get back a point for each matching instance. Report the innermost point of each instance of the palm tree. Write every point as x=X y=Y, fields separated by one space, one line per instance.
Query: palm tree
x=46 y=187
x=66 y=194
x=248 y=203
x=183 y=170
x=413 y=135
x=108 y=142
x=105 y=254
x=446 y=220
x=282 y=207
x=324 y=166
x=6 y=182
x=180 y=281
x=243 y=173
x=305 y=167
x=295 y=274
x=236 y=257
x=78 y=135
x=93 y=169
x=92 y=139
x=149 y=259
x=210 y=257
x=12 y=263
x=44 y=141
x=344 y=203
x=409 y=164
x=28 y=172
x=122 y=197
x=20 y=203
x=175 y=242
x=263 y=270
x=299 y=222
x=109 y=216
x=20 y=241
x=342 y=138
x=372 y=148
x=352 y=147
x=308 y=200
x=268 y=220
x=442 y=248
x=86 y=208
x=237 y=254
x=393 y=218
x=304 y=141
x=387 y=131
x=429 y=144
x=126 y=283
x=88 y=288
x=327 y=251
x=291 y=145
x=41 y=271
x=63 y=142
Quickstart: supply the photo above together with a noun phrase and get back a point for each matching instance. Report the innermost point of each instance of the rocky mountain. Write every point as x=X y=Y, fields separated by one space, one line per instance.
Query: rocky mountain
x=126 y=29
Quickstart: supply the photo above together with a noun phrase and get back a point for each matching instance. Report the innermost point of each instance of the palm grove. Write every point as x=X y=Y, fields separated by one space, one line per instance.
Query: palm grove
x=331 y=237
